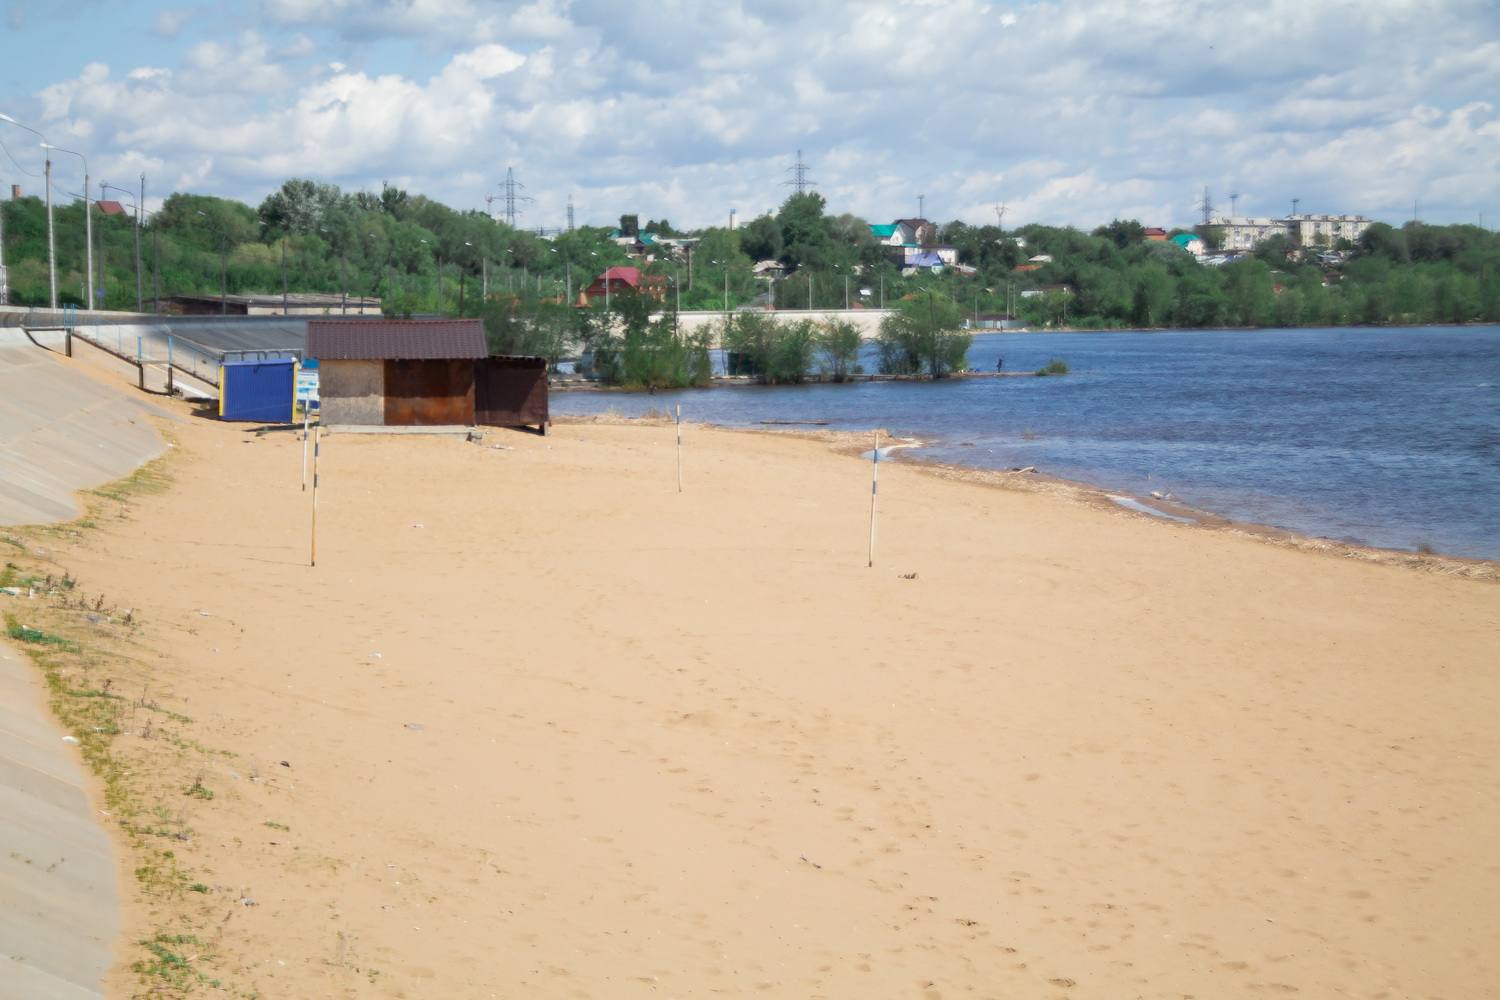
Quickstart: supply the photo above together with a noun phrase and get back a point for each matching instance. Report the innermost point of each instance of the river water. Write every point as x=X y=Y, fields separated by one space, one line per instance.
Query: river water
x=1382 y=437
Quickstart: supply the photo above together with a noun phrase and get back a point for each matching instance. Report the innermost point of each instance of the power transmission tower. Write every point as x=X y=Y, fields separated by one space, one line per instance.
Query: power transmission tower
x=512 y=198
x=799 y=180
x=1206 y=207
x=570 y=213
x=489 y=205
x=1000 y=217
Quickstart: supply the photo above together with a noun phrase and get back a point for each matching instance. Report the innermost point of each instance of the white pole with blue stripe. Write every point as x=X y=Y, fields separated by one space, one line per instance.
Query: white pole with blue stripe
x=874 y=488
x=313 y=555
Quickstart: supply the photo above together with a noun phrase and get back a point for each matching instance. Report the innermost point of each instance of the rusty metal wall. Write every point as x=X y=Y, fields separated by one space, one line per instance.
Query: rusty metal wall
x=426 y=393
x=511 y=392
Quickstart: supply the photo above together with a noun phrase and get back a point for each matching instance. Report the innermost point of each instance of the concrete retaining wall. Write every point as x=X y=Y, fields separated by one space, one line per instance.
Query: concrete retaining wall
x=59 y=908
x=62 y=430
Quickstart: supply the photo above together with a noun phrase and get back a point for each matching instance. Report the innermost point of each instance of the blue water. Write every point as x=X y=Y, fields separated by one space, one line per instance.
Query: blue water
x=1383 y=437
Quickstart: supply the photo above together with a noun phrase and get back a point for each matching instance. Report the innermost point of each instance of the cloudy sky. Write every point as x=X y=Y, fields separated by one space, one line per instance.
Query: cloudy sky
x=1063 y=111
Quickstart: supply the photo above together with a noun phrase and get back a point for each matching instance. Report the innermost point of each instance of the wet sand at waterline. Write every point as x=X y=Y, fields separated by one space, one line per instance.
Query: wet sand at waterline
x=551 y=728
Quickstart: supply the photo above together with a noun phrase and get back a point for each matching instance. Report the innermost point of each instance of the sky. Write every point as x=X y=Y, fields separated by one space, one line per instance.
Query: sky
x=1064 y=112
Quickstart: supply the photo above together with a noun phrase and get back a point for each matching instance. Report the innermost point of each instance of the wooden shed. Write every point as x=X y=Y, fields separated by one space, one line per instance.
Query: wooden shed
x=396 y=372
x=424 y=373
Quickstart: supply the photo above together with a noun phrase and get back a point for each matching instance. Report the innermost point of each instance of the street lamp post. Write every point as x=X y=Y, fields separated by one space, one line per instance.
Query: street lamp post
x=51 y=244
x=88 y=226
x=137 y=209
x=461 y=284
x=223 y=269
x=343 y=278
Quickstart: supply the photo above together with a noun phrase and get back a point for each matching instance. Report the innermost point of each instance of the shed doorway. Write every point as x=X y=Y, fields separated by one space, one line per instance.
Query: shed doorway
x=429 y=393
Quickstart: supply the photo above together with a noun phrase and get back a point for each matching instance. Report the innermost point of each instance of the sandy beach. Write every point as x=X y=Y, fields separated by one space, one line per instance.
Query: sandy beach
x=539 y=724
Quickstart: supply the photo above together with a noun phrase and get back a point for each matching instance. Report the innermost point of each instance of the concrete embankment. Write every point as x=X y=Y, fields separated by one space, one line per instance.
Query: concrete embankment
x=62 y=428
x=59 y=908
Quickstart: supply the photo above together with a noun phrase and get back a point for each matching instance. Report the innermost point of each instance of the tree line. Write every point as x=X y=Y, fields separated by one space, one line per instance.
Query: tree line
x=418 y=255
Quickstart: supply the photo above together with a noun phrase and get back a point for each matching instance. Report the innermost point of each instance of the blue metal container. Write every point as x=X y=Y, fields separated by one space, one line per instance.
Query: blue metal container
x=262 y=390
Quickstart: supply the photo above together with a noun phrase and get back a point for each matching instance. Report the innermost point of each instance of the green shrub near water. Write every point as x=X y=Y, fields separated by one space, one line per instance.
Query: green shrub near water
x=1057 y=366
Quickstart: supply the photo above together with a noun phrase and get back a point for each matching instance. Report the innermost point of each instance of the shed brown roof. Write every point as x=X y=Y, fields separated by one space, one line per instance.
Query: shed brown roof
x=415 y=339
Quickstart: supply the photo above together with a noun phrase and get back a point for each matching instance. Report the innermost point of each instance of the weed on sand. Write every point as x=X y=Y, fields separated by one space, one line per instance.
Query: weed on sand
x=94 y=660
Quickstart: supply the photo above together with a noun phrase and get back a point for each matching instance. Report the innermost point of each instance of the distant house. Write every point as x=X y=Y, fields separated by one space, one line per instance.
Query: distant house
x=626 y=280
x=916 y=231
x=1192 y=244
x=769 y=269
x=111 y=208
x=912 y=244
x=1156 y=233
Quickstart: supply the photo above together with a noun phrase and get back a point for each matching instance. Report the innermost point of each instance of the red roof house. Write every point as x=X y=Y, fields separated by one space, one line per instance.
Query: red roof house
x=625 y=279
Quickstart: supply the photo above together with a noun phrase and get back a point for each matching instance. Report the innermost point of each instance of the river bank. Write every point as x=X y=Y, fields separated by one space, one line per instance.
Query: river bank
x=1317 y=432
x=538 y=722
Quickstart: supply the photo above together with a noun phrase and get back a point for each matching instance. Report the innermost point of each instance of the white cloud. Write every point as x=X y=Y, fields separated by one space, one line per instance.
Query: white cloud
x=1068 y=113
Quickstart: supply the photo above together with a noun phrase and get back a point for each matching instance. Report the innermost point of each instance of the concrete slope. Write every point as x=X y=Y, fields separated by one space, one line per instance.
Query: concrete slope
x=62 y=430
x=64 y=426
x=59 y=909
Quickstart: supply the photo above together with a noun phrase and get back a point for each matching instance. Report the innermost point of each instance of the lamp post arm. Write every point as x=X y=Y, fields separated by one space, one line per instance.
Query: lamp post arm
x=51 y=240
x=88 y=227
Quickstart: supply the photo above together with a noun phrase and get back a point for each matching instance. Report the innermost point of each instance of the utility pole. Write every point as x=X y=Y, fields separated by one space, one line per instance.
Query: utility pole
x=283 y=276
x=5 y=289
x=800 y=181
x=921 y=205
x=155 y=271
x=223 y=274
x=512 y=198
x=51 y=244
x=139 y=205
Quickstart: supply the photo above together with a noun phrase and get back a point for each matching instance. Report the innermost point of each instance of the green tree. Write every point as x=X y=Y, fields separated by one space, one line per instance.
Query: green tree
x=760 y=239
x=1122 y=232
x=298 y=206
x=839 y=345
x=925 y=332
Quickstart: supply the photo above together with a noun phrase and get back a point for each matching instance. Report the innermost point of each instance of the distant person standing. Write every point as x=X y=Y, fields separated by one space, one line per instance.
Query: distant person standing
x=999 y=364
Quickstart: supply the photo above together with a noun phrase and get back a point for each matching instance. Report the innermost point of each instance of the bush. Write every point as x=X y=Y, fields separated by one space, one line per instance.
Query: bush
x=1057 y=366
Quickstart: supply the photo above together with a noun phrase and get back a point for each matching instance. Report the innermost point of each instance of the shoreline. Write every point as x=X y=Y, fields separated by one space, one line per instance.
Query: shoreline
x=1093 y=495
x=558 y=729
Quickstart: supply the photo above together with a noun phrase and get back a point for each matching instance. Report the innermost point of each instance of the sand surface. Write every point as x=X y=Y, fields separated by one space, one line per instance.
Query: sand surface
x=552 y=729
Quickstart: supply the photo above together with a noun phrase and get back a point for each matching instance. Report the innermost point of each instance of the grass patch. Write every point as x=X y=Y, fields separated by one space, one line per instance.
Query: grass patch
x=100 y=686
x=1057 y=366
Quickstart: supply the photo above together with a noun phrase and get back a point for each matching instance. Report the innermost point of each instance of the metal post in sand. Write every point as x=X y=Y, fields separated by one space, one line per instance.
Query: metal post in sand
x=313 y=553
x=874 y=481
x=679 y=447
x=306 y=420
